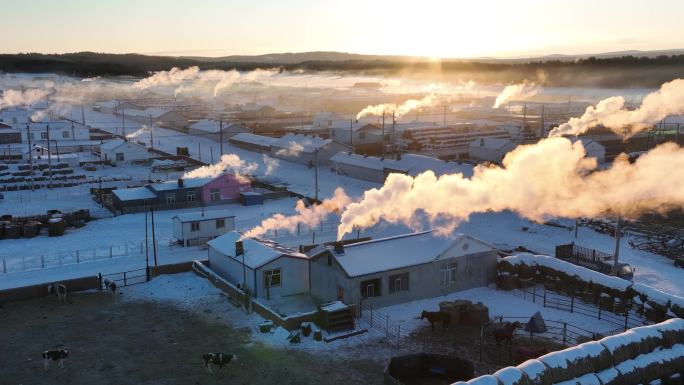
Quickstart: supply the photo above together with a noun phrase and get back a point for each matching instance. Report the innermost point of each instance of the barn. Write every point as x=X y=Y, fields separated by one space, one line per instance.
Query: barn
x=199 y=227
x=252 y=142
x=122 y=151
x=490 y=149
x=400 y=269
x=269 y=270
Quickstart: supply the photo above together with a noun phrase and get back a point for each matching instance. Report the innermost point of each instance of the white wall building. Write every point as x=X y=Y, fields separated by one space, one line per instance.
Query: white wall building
x=120 y=151
x=199 y=227
x=490 y=149
x=269 y=270
x=302 y=149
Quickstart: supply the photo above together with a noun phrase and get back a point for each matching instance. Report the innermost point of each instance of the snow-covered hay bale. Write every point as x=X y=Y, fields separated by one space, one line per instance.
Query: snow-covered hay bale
x=505 y=266
x=576 y=361
x=647 y=367
x=609 y=376
x=511 y=376
x=477 y=314
x=482 y=380
x=587 y=379
x=506 y=281
x=672 y=331
x=606 y=302
x=536 y=372
x=625 y=346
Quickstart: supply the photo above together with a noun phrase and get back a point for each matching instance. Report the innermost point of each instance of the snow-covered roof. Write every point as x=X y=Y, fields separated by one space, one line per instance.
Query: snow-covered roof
x=257 y=252
x=187 y=183
x=411 y=164
x=132 y=194
x=111 y=145
x=213 y=126
x=203 y=215
x=308 y=143
x=365 y=161
x=258 y=140
x=405 y=250
x=492 y=143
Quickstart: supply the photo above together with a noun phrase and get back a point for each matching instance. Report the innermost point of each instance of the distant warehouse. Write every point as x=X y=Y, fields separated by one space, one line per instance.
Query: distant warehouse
x=252 y=142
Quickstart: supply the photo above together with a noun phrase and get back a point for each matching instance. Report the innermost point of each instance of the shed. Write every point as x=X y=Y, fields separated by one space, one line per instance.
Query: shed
x=130 y=199
x=593 y=149
x=199 y=227
x=302 y=149
x=265 y=268
x=490 y=149
x=400 y=269
x=251 y=198
x=122 y=151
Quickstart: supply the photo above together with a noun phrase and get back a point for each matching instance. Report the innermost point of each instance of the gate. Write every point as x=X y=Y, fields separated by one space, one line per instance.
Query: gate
x=126 y=278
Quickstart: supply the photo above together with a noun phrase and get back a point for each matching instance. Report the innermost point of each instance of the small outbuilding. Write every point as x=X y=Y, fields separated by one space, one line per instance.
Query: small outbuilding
x=122 y=151
x=304 y=149
x=212 y=129
x=252 y=142
x=490 y=149
x=199 y=227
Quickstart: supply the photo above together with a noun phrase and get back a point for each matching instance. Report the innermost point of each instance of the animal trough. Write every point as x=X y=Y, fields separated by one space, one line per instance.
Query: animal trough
x=425 y=368
x=56 y=227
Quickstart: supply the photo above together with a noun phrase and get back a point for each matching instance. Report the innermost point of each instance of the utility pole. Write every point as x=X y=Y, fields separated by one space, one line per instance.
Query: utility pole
x=221 y=137
x=394 y=121
x=383 y=135
x=123 y=123
x=444 y=116
x=524 y=117
x=351 y=133
x=147 y=248
x=154 y=238
x=617 y=246
x=57 y=151
x=541 y=132
x=47 y=127
x=316 y=177
x=73 y=132
x=151 y=135
x=30 y=152
x=83 y=114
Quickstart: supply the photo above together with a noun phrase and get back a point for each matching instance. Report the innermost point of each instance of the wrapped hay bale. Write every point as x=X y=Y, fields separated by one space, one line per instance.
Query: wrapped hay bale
x=477 y=314
x=505 y=266
x=576 y=361
x=453 y=311
x=609 y=376
x=487 y=379
x=506 y=281
x=511 y=376
x=526 y=272
x=647 y=367
x=536 y=372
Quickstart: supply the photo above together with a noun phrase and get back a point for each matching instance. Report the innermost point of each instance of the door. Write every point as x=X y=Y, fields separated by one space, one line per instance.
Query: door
x=340 y=293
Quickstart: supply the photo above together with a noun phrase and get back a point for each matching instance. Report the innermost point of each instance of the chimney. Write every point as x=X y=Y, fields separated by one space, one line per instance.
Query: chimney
x=180 y=182
x=339 y=247
x=239 y=250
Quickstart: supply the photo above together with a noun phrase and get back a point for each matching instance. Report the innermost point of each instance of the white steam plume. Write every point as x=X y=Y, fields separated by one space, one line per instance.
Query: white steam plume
x=142 y=130
x=227 y=163
x=293 y=149
x=22 y=98
x=399 y=109
x=516 y=91
x=611 y=112
x=172 y=77
x=271 y=164
x=307 y=216
x=549 y=179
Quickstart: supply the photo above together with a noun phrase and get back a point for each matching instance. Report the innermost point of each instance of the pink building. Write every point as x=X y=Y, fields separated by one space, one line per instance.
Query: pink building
x=223 y=189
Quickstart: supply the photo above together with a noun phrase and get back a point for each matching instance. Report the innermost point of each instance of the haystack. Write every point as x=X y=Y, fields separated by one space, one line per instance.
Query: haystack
x=626 y=346
x=587 y=379
x=647 y=367
x=482 y=380
x=511 y=376
x=576 y=361
x=672 y=331
x=536 y=372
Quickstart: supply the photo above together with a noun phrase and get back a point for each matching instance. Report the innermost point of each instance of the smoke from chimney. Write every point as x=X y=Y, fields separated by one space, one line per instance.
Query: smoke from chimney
x=612 y=113
x=549 y=179
x=227 y=163
x=522 y=90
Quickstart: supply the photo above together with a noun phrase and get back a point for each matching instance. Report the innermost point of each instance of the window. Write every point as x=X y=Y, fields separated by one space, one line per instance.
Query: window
x=449 y=273
x=171 y=198
x=44 y=135
x=272 y=278
x=215 y=195
x=370 y=288
x=362 y=135
x=398 y=282
x=191 y=196
x=65 y=134
x=194 y=226
x=220 y=223
x=119 y=156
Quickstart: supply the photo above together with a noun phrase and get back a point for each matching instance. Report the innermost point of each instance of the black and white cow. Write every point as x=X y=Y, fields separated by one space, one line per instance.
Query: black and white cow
x=109 y=284
x=220 y=359
x=59 y=290
x=54 y=355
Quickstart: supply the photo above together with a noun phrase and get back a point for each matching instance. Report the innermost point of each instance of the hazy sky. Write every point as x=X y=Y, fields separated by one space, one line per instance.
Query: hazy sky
x=447 y=28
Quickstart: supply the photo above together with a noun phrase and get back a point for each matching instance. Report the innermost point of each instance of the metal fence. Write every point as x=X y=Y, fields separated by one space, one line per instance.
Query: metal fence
x=574 y=304
x=381 y=323
x=126 y=278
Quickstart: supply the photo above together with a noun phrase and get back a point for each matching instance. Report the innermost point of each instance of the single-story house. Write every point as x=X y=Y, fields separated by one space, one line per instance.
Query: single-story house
x=403 y=268
x=172 y=119
x=132 y=199
x=265 y=268
x=212 y=129
x=323 y=120
x=224 y=188
x=9 y=135
x=302 y=148
x=252 y=142
x=119 y=150
x=201 y=226
x=490 y=149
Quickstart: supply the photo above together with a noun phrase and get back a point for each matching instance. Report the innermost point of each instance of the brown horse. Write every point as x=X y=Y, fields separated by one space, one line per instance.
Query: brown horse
x=436 y=316
x=505 y=332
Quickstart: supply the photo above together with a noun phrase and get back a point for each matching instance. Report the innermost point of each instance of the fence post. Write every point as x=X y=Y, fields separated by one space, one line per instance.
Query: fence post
x=4 y=266
x=398 y=335
x=42 y=261
x=572 y=303
x=599 y=311
x=124 y=278
x=78 y=257
x=565 y=330
x=534 y=294
x=387 y=325
x=110 y=251
x=544 y=299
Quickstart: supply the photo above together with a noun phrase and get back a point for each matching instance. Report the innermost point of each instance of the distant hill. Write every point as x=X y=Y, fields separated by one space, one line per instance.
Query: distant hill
x=617 y=69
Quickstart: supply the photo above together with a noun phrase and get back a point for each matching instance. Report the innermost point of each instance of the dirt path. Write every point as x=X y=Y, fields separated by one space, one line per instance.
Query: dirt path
x=120 y=342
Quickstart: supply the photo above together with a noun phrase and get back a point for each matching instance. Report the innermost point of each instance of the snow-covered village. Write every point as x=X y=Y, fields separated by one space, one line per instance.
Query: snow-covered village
x=411 y=216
